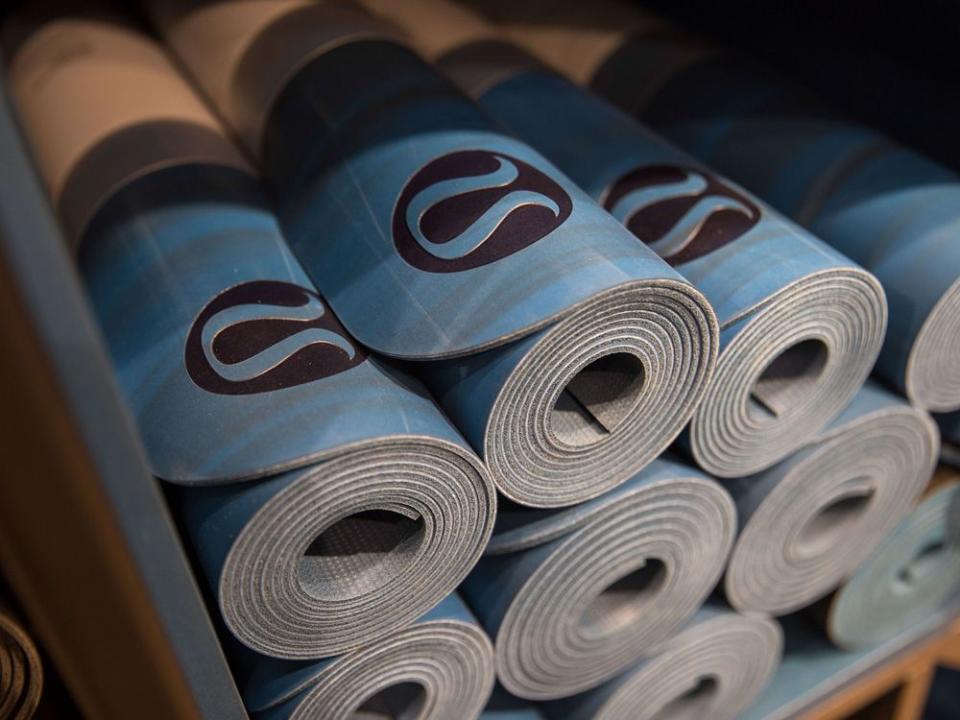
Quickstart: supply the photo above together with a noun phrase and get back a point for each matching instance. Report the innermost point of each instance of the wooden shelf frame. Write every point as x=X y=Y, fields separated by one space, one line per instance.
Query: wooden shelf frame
x=902 y=683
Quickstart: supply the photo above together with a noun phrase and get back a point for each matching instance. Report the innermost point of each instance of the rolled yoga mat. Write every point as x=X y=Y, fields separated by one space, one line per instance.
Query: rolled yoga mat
x=577 y=355
x=234 y=367
x=715 y=668
x=21 y=671
x=800 y=324
x=573 y=597
x=807 y=523
x=913 y=575
x=888 y=208
x=440 y=667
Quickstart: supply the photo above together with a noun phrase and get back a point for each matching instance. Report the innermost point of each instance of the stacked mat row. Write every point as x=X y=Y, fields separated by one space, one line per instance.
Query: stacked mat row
x=334 y=498
x=885 y=206
x=326 y=498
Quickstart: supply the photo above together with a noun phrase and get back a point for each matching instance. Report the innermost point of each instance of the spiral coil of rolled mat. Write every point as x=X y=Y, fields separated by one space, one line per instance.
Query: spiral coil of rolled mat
x=474 y=396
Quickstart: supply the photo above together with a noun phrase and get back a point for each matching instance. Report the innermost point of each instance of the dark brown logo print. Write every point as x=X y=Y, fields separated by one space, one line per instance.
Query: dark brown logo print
x=680 y=213
x=474 y=207
x=266 y=335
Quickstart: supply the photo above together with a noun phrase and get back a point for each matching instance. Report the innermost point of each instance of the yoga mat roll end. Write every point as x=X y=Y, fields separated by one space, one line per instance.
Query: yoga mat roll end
x=913 y=575
x=714 y=668
x=573 y=598
x=807 y=350
x=933 y=369
x=326 y=559
x=810 y=521
x=602 y=393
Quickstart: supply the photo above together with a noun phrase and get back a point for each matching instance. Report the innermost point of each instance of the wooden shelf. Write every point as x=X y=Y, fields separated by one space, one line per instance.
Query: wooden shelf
x=897 y=689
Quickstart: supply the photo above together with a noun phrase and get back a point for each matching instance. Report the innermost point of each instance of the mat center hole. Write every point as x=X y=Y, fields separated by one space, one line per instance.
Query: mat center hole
x=622 y=602
x=597 y=399
x=826 y=529
x=789 y=379
x=360 y=553
x=403 y=701
x=694 y=704
x=923 y=564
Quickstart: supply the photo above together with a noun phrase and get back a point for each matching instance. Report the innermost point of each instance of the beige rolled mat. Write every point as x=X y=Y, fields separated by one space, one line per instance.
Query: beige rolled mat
x=809 y=522
x=715 y=668
x=21 y=672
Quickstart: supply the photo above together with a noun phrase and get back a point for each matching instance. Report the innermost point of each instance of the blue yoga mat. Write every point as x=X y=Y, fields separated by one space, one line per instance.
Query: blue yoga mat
x=950 y=433
x=913 y=575
x=235 y=367
x=800 y=324
x=809 y=522
x=813 y=669
x=568 y=354
x=715 y=668
x=504 y=706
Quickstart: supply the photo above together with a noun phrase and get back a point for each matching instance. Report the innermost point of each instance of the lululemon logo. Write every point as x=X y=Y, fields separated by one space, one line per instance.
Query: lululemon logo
x=266 y=335
x=474 y=207
x=680 y=213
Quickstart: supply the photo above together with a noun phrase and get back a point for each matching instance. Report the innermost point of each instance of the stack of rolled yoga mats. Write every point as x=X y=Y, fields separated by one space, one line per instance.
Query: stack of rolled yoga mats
x=883 y=205
x=439 y=357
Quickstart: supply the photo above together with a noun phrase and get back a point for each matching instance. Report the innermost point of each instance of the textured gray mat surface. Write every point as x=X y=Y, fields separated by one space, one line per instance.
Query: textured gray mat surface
x=572 y=597
x=807 y=523
x=21 y=672
x=715 y=668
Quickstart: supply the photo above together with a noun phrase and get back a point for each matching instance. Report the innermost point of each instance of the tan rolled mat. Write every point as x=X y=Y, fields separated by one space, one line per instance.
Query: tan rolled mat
x=808 y=523
x=21 y=672
x=714 y=668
